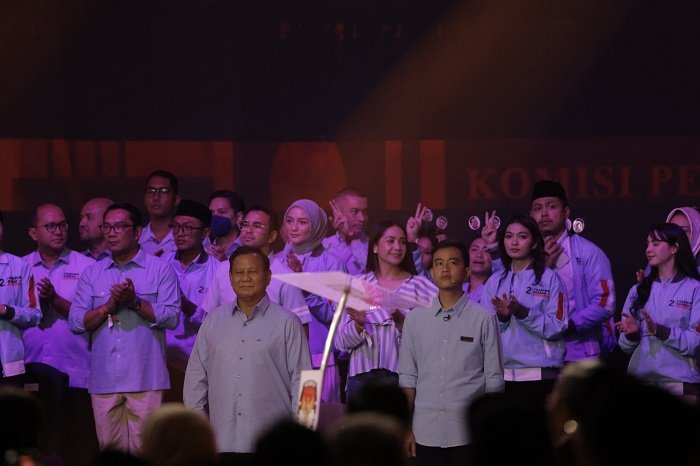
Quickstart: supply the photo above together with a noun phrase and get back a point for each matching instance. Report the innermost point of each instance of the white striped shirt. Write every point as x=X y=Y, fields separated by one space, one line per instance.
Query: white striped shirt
x=377 y=346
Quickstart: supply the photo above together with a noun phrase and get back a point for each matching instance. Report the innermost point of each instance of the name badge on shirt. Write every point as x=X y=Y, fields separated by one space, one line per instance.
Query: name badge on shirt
x=467 y=339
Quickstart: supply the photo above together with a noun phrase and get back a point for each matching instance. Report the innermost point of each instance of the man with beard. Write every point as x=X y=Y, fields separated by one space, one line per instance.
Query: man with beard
x=585 y=270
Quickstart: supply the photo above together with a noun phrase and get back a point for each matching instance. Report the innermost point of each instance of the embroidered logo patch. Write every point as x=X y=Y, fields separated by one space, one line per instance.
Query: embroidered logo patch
x=682 y=304
x=537 y=292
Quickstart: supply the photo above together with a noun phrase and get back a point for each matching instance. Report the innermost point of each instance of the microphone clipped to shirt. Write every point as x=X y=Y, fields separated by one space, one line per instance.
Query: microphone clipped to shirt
x=446 y=317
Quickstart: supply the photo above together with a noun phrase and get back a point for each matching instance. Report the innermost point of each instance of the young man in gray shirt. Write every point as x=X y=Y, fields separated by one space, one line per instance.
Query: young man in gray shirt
x=450 y=354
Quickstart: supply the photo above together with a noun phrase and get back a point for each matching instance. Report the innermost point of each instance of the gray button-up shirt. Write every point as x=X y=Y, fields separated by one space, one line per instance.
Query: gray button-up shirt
x=450 y=356
x=245 y=372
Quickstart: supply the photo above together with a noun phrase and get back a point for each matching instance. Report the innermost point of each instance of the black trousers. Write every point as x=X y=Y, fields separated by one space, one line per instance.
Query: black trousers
x=436 y=456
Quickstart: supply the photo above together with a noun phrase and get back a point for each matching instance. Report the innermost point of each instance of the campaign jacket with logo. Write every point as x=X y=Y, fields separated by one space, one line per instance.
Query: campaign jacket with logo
x=17 y=291
x=676 y=305
x=536 y=340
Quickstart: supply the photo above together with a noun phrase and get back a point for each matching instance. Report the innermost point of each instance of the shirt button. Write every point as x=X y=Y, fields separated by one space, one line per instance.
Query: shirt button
x=239 y=414
x=238 y=376
x=241 y=358
x=243 y=341
x=245 y=325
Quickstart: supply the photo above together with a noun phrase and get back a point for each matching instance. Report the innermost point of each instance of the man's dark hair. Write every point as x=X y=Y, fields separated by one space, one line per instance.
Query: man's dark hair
x=274 y=221
x=243 y=250
x=234 y=200
x=134 y=213
x=452 y=244
x=382 y=397
x=174 y=184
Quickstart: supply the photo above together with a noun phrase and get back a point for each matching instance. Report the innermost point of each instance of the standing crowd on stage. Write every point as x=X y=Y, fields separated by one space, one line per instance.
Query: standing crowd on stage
x=500 y=360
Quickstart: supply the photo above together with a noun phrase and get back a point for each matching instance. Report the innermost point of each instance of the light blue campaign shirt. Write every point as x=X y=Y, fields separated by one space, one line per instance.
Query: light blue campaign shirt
x=130 y=355
x=52 y=341
x=194 y=280
x=150 y=244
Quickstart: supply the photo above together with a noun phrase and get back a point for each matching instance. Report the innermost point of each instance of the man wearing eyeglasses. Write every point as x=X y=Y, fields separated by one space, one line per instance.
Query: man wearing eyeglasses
x=126 y=302
x=58 y=360
x=195 y=271
x=259 y=229
x=160 y=199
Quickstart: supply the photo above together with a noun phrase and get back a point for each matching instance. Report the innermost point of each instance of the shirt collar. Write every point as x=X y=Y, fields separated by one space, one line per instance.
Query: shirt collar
x=361 y=238
x=35 y=258
x=139 y=259
x=564 y=237
x=102 y=255
x=201 y=258
x=457 y=308
x=261 y=307
x=147 y=232
x=3 y=258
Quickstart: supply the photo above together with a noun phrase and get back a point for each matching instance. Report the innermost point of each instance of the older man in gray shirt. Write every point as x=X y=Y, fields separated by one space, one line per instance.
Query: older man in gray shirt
x=245 y=367
x=450 y=354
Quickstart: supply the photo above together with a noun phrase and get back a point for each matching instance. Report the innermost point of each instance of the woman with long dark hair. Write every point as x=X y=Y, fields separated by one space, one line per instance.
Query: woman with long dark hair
x=530 y=302
x=661 y=316
x=372 y=338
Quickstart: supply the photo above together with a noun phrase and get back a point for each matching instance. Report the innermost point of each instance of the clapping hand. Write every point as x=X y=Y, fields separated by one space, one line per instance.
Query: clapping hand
x=628 y=325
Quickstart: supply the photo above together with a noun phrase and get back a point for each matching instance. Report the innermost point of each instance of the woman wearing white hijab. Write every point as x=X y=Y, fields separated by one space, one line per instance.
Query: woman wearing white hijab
x=688 y=218
x=304 y=227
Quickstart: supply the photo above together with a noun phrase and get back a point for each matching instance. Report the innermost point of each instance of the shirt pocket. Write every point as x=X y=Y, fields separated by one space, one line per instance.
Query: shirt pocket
x=266 y=351
x=147 y=291
x=470 y=351
x=99 y=297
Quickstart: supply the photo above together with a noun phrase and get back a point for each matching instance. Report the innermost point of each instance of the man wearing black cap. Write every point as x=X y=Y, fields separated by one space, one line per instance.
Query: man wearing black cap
x=585 y=270
x=195 y=270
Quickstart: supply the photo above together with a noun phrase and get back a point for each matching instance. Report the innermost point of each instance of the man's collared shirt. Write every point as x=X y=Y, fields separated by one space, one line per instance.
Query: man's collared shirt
x=98 y=257
x=52 y=342
x=151 y=245
x=246 y=371
x=450 y=356
x=353 y=255
x=194 y=281
x=128 y=356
